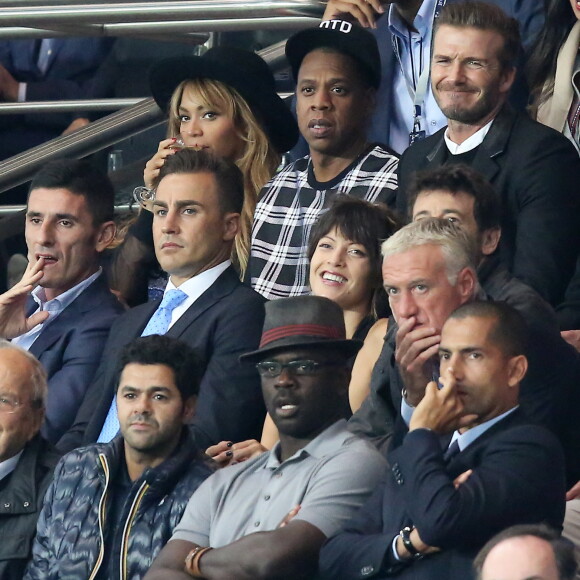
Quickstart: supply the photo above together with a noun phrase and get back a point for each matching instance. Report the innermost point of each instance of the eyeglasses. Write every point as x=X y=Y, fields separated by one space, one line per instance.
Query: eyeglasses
x=9 y=404
x=273 y=368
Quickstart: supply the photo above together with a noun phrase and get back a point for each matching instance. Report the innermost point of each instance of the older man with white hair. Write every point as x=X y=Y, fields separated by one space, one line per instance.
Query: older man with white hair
x=26 y=460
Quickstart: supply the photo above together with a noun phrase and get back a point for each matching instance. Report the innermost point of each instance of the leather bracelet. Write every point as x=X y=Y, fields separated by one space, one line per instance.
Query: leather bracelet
x=405 y=534
x=192 y=560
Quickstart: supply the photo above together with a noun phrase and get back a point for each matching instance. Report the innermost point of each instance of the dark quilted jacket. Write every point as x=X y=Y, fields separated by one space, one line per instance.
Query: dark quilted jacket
x=21 y=502
x=69 y=541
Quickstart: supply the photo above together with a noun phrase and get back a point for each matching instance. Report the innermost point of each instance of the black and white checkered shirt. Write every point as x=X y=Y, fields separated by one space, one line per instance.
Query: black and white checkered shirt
x=290 y=204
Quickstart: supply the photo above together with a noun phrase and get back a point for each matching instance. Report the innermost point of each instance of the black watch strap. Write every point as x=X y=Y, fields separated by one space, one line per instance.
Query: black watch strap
x=406 y=537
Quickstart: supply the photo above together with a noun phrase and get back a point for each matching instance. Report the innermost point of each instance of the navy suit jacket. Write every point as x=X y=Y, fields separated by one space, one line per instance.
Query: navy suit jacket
x=70 y=349
x=74 y=72
x=518 y=477
x=536 y=172
x=223 y=323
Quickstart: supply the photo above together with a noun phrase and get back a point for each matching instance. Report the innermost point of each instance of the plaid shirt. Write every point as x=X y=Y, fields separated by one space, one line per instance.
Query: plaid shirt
x=290 y=204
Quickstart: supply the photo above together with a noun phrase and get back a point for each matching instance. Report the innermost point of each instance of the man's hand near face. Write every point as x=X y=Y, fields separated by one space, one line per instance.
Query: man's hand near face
x=13 y=321
x=441 y=410
x=415 y=352
x=364 y=11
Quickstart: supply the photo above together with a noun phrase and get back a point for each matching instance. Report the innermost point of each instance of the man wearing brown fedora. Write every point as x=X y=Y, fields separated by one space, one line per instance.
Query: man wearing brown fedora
x=268 y=516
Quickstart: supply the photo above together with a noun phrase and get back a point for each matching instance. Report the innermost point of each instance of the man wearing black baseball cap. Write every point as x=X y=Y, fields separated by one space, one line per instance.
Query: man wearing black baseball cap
x=268 y=516
x=337 y=70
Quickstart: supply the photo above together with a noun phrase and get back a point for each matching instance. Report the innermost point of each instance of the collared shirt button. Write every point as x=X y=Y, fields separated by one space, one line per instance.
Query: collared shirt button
x=256 y=524
x=279 y=474
x=433 y=123
x=26 y=504
x=366 y=570
x=266 y=497
x=6 y=505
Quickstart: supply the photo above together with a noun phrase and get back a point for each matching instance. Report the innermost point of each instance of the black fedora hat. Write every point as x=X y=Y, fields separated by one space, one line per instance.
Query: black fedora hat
x=303 y=322
x=346 y=38
x=242 y=70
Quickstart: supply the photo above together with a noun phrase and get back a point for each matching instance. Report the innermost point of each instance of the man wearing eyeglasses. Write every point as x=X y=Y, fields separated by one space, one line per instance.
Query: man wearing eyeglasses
x=27 y=461
x=268 y=516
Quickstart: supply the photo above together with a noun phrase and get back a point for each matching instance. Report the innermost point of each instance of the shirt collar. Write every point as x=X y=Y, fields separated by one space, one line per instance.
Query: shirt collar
x=9 y=465
x=62 y=300
x=469 y=436
x=474 y=141
x=423 y=20
x=323 y=444
x=197 y=285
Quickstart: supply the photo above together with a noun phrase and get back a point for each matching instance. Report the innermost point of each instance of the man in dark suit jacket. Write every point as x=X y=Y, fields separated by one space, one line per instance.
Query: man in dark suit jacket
x=196 y=209
x=48 y=70
x=534 y=169
x=69 y=306
x=469 y=467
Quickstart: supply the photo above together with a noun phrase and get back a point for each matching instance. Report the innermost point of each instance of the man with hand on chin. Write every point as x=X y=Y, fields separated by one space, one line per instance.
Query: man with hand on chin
x=62 y=309
x=428 y=271
x=470 y=465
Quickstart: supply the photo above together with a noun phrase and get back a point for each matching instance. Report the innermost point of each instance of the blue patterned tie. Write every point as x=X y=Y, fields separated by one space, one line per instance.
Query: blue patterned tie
x=158 y=324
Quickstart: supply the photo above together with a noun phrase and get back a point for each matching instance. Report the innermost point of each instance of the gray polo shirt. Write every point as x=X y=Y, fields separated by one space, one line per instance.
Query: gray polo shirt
x=330 y=479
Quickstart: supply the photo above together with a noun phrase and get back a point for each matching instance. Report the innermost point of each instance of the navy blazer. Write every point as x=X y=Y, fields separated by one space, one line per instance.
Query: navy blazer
x=518 y=477
x=223 y=323
x=74 y=72
x=536 y=172
x=70 y=349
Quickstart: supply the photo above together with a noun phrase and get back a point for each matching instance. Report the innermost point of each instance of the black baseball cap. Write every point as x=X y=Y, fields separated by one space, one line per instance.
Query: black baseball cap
x=345 y=37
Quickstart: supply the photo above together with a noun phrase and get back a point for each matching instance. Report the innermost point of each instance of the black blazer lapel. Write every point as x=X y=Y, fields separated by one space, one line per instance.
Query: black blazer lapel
x=494 y=144
x=223 y=286
x=436 y=156
x=465 y=458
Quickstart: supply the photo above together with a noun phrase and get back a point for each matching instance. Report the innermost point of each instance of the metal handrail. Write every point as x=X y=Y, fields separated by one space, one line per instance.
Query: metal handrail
x=89 y=139
x=81 y=14
x=31 y=107
x=184 y=17
x=99 y=134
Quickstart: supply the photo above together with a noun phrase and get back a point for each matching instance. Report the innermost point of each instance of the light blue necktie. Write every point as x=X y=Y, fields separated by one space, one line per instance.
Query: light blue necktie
x=46 y=48
x=158 y=324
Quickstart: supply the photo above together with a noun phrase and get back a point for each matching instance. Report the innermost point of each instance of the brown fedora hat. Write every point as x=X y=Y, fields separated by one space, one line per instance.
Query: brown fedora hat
x=303 y=322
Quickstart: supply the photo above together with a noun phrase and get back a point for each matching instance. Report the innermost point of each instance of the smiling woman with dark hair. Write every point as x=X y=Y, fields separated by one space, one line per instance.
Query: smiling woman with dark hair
x=345 y=260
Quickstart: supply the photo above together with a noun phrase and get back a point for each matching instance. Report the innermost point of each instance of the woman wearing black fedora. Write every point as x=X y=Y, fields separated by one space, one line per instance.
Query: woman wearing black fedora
x=224 y=101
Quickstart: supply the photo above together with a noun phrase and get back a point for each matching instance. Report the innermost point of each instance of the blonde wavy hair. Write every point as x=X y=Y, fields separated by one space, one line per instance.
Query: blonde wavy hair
x=259 y=161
